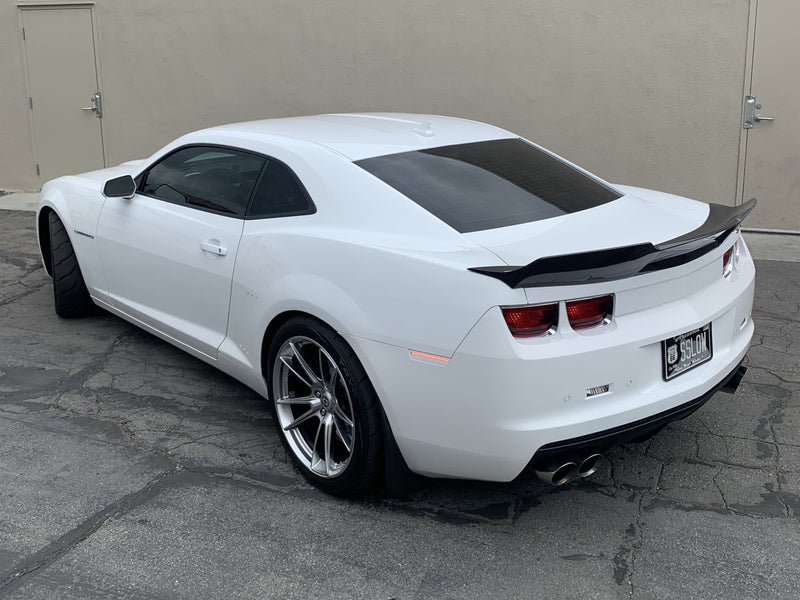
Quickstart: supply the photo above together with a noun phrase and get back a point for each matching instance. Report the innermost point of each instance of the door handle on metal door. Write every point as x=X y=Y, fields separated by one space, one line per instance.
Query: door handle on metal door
x=213 y=247
x=758 y=118
x=98 y=105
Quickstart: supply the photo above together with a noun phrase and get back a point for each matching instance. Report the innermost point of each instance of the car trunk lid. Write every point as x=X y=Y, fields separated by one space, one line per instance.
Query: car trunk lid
x=628 y=221
x=627 y=237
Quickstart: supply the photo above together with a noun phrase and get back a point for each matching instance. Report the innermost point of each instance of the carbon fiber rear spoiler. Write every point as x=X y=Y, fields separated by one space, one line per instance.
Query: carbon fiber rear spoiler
x=627 y=261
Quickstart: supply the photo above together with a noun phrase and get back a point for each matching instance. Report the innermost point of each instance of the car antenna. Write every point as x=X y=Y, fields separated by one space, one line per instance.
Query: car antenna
x=424 y=129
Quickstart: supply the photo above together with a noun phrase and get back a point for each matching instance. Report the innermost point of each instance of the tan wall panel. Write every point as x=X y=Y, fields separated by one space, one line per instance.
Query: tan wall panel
x=16 y=141
x=647 y=93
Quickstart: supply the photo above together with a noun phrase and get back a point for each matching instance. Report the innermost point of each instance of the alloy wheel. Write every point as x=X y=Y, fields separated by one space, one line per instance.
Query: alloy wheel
x=313 y=406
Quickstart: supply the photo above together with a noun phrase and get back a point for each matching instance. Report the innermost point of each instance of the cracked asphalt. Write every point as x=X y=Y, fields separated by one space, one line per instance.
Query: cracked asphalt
x=129 y=469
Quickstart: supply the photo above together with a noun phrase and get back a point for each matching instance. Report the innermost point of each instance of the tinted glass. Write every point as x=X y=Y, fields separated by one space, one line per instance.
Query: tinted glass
x=218 y=179
x=279 y=194
x=491 y=184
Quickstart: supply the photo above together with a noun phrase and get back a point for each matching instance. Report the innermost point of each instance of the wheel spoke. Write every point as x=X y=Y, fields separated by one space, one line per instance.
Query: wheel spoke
x=332 y=370
x=288 y=364
x=311 y=375
x=333 y=381
x=315 y=458
x=314 y=410
x=329 y=464
x=340 y=413
x=301 y=400
x=321 y=359
x=342 y=434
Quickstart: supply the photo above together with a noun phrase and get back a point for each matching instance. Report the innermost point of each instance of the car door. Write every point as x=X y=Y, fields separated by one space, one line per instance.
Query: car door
x=168 y=253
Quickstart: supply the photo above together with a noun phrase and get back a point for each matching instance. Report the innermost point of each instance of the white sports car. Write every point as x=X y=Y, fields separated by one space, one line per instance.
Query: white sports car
x=414 y=294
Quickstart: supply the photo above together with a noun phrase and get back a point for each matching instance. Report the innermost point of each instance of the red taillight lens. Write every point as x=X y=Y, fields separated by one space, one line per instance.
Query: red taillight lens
x=531 y=321
x=727 y=262
x=590 y=312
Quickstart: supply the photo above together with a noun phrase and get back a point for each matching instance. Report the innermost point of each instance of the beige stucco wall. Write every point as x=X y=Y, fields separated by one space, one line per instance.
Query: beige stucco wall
x=646 y=93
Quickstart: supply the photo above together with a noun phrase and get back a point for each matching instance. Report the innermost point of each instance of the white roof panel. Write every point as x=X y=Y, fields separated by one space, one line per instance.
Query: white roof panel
x=359 y=136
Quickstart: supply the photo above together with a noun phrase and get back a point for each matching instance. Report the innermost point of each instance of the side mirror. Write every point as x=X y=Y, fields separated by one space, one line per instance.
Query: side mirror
x=120 y=187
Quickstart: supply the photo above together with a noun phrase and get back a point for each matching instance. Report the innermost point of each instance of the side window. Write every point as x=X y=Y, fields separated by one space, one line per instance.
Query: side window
x=279 y=194
x=218 y=179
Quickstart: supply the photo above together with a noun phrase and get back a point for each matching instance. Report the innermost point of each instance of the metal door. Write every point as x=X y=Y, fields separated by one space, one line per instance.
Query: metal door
x=64 y=96
x=772 y=156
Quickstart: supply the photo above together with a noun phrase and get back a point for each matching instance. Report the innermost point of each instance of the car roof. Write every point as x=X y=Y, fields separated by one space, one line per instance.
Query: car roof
x=363 y=135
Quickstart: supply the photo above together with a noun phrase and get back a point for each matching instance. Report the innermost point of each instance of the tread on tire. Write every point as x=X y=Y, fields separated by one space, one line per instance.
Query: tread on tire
x=69 y=289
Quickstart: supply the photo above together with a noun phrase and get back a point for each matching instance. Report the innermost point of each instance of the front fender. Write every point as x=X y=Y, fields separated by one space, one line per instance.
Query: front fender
x=78 y=205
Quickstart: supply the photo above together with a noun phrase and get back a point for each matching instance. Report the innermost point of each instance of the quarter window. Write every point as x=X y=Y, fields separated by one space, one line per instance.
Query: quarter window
x=211 y=178
x=279 y=194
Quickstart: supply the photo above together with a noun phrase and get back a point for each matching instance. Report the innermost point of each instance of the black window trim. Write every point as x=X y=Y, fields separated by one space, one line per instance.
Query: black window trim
x=141 y=178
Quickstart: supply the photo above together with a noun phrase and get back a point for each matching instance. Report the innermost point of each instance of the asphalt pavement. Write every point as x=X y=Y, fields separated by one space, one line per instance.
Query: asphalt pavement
x=129 y=469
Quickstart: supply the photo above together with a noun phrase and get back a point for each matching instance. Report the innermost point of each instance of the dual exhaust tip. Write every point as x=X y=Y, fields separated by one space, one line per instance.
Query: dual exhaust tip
x=558 y=474
x=561 y=474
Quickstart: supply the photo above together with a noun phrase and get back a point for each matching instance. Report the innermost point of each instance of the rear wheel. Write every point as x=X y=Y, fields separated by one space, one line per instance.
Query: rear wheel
x=326 y=411
x=69 y=290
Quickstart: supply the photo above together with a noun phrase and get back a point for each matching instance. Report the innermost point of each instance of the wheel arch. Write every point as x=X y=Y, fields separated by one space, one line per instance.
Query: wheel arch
x=52 y=200
x=400 y=480
x=285 y=316
x=269 y=335
x=43 y=234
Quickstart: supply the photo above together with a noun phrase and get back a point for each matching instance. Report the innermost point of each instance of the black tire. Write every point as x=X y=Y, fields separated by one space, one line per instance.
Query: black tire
x=340 y=394
x=69 y=290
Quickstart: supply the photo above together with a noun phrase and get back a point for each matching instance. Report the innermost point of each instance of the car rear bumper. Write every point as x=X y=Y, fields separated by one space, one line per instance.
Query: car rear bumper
x=499 y=401
x=555 y=453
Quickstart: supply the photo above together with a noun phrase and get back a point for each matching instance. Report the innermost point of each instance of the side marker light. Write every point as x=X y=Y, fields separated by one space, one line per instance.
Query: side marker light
x=428 y=356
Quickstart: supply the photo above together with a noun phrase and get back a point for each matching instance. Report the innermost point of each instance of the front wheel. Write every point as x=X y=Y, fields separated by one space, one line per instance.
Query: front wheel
x=69 y=290
x=326 y=411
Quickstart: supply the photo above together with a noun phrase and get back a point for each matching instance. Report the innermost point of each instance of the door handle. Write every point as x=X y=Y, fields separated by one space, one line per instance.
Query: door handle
x=213 y=247
x=98 y=105
x=750 y=116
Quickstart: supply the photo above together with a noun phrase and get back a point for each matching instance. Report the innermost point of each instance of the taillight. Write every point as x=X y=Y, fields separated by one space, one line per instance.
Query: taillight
x=590 y=312
x=732 y=256
x=531 y=321
x=727 y=262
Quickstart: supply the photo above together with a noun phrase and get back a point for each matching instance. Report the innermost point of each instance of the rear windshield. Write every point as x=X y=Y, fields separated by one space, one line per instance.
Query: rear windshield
x=483 y=185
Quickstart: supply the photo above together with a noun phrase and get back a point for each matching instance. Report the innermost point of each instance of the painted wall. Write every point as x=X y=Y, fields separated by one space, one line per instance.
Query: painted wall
x=645 y=93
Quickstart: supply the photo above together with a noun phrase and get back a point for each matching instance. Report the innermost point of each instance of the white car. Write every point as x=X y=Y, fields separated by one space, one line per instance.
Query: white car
x=414 y=294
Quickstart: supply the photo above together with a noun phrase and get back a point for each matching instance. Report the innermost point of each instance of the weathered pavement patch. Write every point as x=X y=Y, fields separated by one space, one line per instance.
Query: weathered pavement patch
x=130 y=470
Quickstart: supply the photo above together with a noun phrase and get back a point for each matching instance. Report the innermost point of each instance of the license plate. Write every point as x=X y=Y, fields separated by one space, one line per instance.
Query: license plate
x=686 y=351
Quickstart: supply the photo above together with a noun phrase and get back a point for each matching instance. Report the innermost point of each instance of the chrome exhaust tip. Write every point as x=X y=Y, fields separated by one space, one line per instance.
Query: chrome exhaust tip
x=560 y=475
x=589 y=465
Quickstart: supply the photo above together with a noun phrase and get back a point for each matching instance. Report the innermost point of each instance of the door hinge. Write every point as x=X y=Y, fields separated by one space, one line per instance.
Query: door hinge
x=30 y=102
x=37 y=168
x=23 y=34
